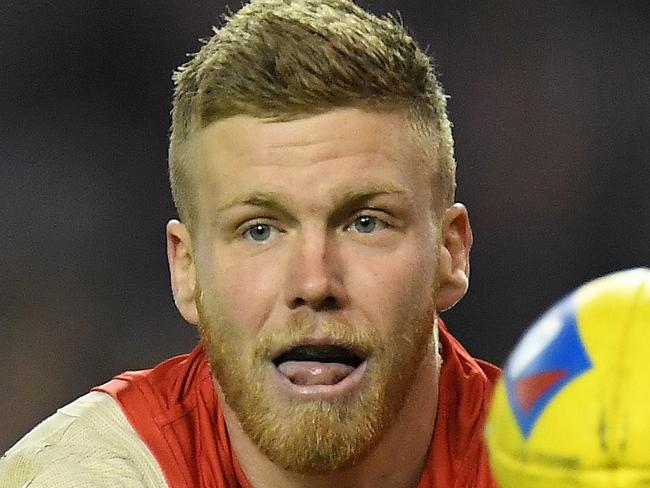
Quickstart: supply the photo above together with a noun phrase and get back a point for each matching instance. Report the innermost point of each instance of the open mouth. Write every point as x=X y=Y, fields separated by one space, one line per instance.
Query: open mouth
x=318 y=364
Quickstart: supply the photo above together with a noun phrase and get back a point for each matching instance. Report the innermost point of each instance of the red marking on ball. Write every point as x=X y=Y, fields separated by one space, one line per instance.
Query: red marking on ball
x=529 y=389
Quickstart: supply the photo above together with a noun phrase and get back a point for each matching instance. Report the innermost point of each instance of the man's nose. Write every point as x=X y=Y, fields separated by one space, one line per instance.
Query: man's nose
x=315 y=273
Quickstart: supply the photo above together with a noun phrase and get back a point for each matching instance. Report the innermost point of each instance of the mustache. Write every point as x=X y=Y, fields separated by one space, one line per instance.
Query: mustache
x=304 y=328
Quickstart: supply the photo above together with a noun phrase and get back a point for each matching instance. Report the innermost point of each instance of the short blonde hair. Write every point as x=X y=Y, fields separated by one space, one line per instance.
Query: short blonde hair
x=283 y=59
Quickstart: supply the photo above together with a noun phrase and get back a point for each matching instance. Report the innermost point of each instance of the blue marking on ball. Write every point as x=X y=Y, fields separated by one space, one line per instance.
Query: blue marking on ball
x=549 y=356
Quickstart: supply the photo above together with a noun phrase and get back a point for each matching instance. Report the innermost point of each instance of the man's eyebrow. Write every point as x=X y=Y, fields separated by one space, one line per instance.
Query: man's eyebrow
x=281 y=202
x=268 y=199
x=372 y=190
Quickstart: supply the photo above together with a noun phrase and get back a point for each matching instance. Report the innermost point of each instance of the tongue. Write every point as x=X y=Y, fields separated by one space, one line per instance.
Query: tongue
x=314 y=373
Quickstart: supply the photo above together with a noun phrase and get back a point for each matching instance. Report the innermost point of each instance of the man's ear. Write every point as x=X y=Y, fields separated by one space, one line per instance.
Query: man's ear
x=453 y=266
x=182 y=270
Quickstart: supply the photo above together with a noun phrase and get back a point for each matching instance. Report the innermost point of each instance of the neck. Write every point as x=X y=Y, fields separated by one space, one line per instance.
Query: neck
x=396 y=461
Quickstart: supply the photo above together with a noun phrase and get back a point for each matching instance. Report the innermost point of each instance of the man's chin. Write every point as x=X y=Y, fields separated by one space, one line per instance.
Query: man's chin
x=314 y=440
x=312 y=429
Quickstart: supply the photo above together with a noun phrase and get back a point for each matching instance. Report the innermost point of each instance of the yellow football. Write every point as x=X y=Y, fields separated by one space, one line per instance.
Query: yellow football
x=572 y=408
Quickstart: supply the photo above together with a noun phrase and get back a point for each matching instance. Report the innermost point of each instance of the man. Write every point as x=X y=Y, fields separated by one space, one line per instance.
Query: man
x=311 y=161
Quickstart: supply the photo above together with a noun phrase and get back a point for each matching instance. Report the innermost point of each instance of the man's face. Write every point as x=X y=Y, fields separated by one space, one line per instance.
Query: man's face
x=315 y=248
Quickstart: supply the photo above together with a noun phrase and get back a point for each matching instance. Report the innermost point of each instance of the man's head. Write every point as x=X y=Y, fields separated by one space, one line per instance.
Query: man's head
x=311 y=159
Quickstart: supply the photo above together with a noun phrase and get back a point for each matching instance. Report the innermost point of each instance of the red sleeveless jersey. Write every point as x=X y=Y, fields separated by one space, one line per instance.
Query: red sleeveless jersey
x=174 y=409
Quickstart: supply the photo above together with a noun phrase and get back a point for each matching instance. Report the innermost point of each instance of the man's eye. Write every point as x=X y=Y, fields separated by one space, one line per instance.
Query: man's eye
x=366 y=224
x=259 y=232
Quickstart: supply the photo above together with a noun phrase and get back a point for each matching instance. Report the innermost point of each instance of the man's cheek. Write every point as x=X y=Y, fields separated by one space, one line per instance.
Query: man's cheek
x=242 y=308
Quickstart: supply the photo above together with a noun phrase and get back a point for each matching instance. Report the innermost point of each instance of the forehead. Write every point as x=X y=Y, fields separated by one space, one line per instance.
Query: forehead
x=327 y=152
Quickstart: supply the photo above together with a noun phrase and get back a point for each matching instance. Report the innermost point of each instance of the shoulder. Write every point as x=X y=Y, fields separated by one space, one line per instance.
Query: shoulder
x=89 y=442
x=462 y=365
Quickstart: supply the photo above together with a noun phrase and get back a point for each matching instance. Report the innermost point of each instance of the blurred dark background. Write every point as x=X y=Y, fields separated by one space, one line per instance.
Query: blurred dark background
x=550 y=106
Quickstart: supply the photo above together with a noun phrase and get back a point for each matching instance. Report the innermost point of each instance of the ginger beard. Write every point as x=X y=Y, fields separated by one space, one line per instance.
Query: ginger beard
x=315 y=436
